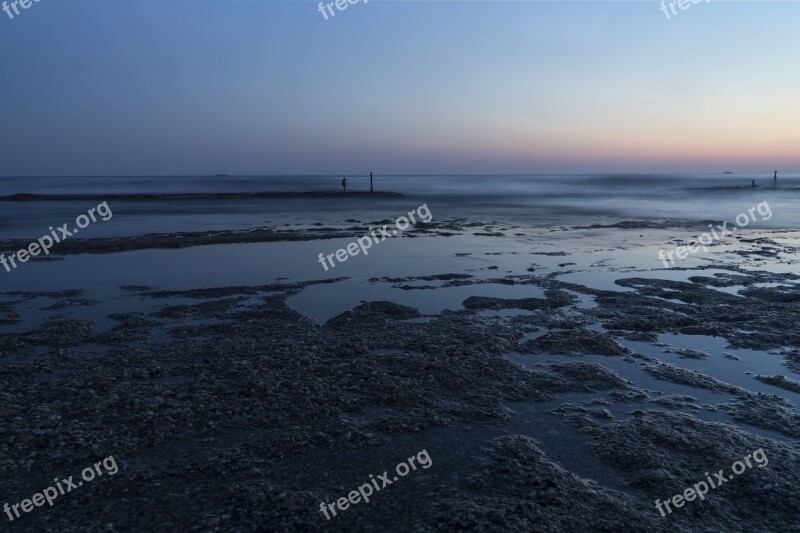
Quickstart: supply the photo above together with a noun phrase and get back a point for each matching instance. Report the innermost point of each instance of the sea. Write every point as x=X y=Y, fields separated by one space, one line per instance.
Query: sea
x=537 y=200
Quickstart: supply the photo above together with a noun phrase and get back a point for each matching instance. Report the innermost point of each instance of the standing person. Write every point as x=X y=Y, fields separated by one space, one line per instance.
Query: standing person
x=344 y=184
x=754 y=184
x=775 y=180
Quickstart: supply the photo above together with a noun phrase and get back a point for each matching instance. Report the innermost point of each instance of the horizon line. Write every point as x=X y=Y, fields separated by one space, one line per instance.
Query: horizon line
x=515 y=174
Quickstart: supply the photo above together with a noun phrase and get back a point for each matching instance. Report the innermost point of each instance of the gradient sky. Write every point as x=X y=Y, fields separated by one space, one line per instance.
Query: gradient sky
x=263 y=87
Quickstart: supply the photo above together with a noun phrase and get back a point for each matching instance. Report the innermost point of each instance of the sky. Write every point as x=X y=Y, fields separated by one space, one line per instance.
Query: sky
x=183 y=87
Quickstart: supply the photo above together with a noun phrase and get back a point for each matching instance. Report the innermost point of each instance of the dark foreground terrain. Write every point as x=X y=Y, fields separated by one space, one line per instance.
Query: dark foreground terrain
x=230 y=411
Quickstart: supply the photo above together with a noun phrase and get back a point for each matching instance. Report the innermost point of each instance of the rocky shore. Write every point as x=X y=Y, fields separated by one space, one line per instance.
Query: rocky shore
x=228 y=410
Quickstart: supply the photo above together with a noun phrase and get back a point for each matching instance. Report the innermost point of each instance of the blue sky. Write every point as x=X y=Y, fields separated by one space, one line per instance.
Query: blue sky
x=264 y=87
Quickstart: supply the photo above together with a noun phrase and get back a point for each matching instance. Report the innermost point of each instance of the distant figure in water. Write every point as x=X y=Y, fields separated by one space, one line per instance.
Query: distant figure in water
x=775 y=179
x=754 y=184
x=344 y=184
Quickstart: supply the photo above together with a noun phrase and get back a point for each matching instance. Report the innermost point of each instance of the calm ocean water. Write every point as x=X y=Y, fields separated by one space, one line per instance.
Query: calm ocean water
x=539 y=200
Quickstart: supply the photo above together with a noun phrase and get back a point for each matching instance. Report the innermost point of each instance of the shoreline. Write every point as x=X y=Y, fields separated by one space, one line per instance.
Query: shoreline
x=554 y=409
x=409 y=382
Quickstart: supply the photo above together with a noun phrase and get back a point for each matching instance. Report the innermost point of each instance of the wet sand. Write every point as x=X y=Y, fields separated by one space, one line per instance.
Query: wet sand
x=573 y=401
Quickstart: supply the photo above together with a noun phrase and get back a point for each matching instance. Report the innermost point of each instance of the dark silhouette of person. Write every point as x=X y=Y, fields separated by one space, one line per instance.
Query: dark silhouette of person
x=754 y=184
x=775 y=179
x=344 y=184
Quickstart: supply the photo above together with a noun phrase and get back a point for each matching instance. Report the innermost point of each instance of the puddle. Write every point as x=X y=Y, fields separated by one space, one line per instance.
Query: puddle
x=717 y=365
x=323 y=302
